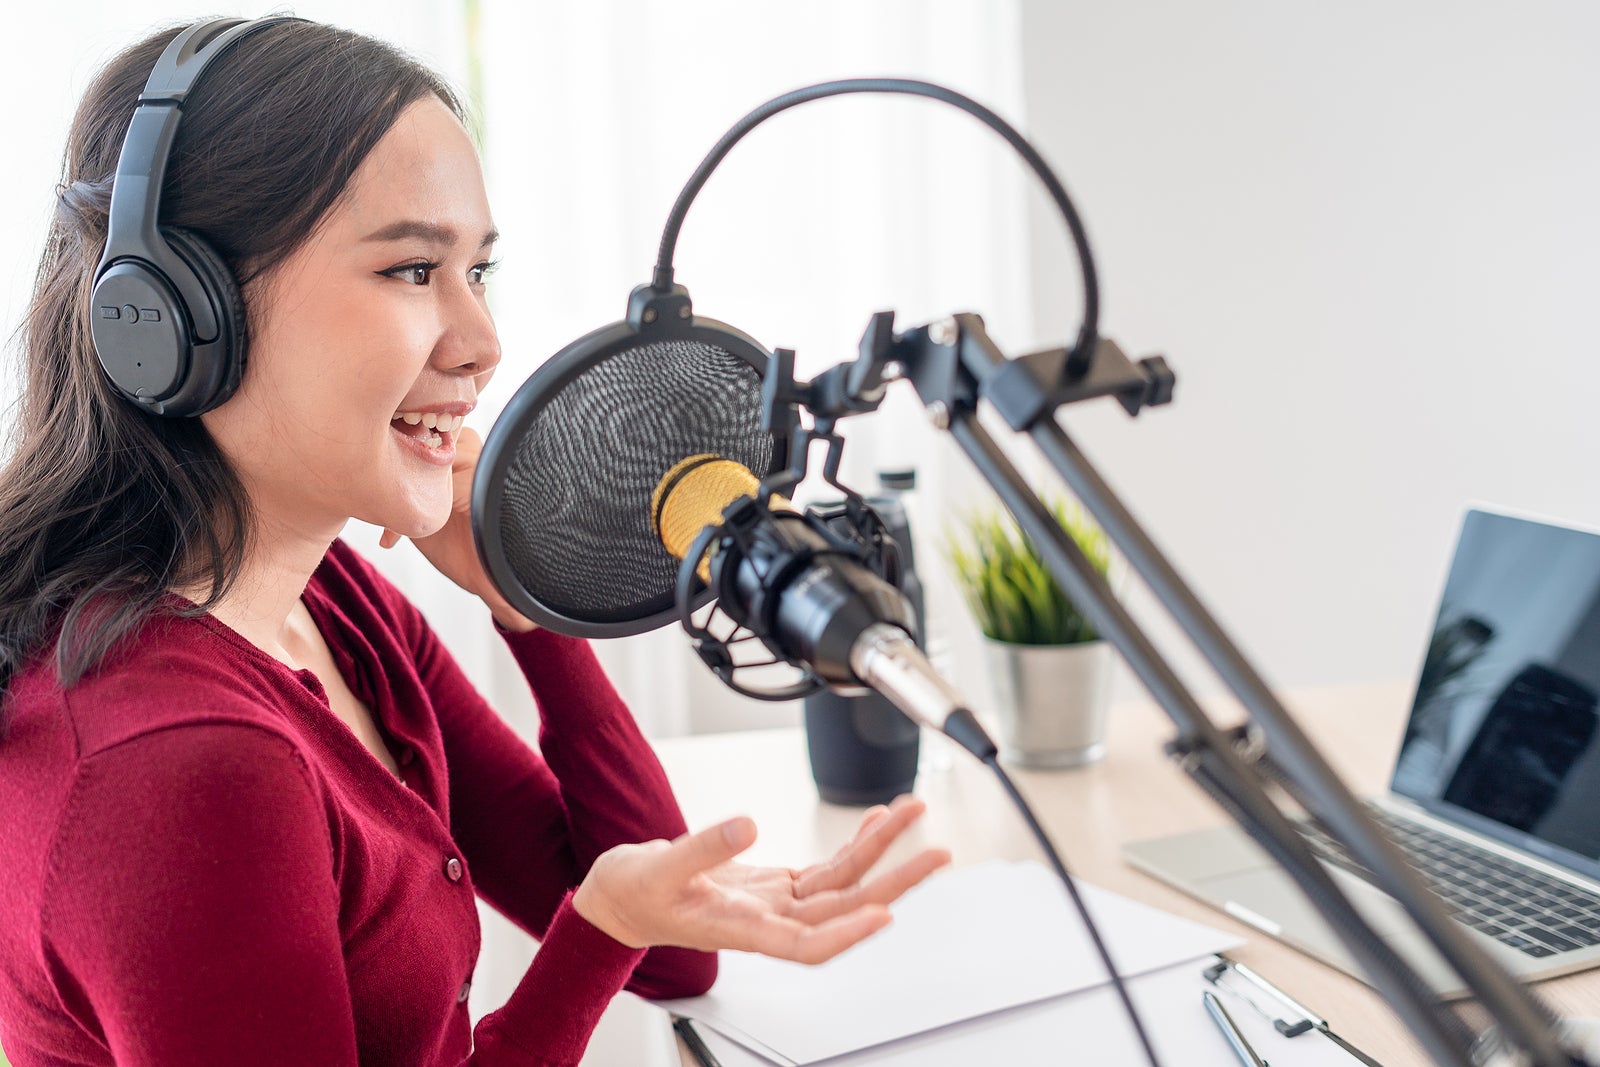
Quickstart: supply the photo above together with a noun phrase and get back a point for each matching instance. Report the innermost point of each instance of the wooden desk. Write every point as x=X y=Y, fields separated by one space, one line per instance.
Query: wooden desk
x=1133 y=793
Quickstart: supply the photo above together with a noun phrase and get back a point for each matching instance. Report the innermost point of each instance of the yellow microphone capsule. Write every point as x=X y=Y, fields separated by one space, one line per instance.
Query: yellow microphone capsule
x=692 y=495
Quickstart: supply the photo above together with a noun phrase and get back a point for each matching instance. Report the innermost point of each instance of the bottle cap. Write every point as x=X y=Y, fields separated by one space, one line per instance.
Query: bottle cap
x=898 y=480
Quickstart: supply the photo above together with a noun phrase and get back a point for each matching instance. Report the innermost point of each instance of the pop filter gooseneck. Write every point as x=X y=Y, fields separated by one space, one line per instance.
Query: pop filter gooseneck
x=1088 y=332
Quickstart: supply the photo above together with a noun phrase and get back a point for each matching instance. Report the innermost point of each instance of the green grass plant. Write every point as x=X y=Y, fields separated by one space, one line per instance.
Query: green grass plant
x=1007 y=586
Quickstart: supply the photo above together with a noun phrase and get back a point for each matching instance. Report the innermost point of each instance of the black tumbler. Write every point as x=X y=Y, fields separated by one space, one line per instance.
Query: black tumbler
x=863 y=750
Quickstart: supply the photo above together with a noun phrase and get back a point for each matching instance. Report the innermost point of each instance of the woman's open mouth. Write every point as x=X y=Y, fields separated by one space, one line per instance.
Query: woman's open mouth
x=428 y=434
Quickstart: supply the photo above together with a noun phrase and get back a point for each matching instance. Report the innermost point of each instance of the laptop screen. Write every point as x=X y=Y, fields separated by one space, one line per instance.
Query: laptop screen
x=1504 y=734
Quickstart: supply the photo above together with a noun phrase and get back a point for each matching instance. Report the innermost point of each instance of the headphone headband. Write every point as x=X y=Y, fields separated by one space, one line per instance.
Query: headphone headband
x=188 y=54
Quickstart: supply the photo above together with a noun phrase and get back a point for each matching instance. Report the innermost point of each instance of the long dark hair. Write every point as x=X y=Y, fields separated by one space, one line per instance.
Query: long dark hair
x=103 y=506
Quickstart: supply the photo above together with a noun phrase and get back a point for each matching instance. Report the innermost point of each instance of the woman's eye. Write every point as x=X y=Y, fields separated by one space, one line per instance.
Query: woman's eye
x=480 y=273
x=412 y=273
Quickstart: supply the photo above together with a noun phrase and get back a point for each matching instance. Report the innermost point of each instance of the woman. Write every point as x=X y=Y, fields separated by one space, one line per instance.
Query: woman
x=247 y=796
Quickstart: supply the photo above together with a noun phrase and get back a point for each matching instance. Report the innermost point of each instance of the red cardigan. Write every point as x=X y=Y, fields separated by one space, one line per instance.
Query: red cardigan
x=204 y=865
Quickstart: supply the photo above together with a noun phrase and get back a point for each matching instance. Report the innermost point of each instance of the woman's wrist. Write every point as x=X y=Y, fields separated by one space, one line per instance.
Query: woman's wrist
x=587 y=902
x=508 y=617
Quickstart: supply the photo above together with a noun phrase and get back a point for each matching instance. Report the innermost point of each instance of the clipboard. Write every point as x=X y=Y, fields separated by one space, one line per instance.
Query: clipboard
x=1289 y=1018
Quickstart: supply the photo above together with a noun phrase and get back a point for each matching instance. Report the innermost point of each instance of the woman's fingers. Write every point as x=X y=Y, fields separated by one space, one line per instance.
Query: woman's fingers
x=870 y=818
x=686 y=892
x=790 y=939
x=469 y=446
x=696 y=852
x=855 y=859
x=882 y=889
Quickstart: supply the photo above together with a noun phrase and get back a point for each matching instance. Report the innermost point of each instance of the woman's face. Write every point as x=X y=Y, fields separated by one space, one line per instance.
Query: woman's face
x=370 y=343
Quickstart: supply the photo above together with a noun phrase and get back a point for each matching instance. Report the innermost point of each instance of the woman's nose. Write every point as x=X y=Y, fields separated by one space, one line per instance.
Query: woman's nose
x=473 y=345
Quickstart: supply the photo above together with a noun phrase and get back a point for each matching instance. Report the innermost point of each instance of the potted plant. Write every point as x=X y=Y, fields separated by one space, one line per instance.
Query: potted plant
x=1049 y=670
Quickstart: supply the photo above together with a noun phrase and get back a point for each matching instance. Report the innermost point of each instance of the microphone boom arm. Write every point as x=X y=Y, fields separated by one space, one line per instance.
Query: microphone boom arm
x=952 y=363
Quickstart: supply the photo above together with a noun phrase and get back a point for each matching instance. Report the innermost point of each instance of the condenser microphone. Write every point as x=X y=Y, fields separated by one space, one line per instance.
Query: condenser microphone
x=788 y=583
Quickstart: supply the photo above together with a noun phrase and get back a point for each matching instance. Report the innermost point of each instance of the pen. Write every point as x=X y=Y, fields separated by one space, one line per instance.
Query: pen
x=1224 y=1021
x=697 y=1046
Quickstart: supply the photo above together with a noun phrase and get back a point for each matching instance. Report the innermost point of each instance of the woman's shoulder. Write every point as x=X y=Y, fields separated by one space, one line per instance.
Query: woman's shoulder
x=174 y=673
x=176 y=713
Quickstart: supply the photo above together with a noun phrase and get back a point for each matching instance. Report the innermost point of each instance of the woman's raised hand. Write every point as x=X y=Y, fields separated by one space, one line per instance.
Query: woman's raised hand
x=690 y=892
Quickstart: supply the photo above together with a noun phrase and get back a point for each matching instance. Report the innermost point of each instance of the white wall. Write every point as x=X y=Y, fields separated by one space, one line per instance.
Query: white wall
x=1366 y=235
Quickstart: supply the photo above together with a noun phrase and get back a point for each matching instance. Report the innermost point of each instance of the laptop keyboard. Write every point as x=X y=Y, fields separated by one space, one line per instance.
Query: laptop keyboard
x=1515 y=904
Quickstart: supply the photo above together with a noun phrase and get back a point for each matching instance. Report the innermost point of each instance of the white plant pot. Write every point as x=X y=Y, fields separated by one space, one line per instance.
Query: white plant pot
x=1050 y=701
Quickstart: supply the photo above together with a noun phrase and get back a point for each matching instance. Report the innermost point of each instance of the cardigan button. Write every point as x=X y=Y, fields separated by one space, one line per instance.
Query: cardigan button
x=461 y=994
x=452 y=869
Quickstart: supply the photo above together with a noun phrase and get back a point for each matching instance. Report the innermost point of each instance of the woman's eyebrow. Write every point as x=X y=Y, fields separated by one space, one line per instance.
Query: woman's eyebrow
x=433 y=232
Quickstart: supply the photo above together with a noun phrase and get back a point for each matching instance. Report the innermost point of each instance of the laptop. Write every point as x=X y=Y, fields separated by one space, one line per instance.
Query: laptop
x=1495 y=791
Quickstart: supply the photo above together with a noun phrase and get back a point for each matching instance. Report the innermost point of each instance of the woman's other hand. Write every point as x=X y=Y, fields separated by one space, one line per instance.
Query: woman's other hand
x=451 y=550
x=690 y=892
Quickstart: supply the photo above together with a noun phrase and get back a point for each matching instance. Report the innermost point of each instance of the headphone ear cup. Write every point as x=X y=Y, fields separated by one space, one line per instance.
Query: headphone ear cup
x=216 y=368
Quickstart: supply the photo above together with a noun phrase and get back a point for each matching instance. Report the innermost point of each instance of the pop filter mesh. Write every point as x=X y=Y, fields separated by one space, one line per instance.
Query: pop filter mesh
x=575 y=519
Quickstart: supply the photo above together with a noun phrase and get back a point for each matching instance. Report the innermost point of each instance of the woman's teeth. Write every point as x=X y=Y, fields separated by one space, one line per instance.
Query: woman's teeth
x=432 y=420
x=431 y=426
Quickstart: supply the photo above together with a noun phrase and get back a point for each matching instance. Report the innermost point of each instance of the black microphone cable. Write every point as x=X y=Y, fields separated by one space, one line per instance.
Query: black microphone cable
x=993 y=763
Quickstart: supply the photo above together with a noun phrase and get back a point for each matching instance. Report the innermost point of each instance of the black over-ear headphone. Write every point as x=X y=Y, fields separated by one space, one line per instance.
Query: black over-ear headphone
x=167 y=316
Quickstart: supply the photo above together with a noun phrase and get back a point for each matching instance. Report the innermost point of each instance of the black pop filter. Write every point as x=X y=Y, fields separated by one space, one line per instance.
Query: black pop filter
x=561 y=498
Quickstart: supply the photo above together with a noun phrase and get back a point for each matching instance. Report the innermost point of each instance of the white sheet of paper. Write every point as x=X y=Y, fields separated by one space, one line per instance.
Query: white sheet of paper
x=1089 y=1027
x=968 y=942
